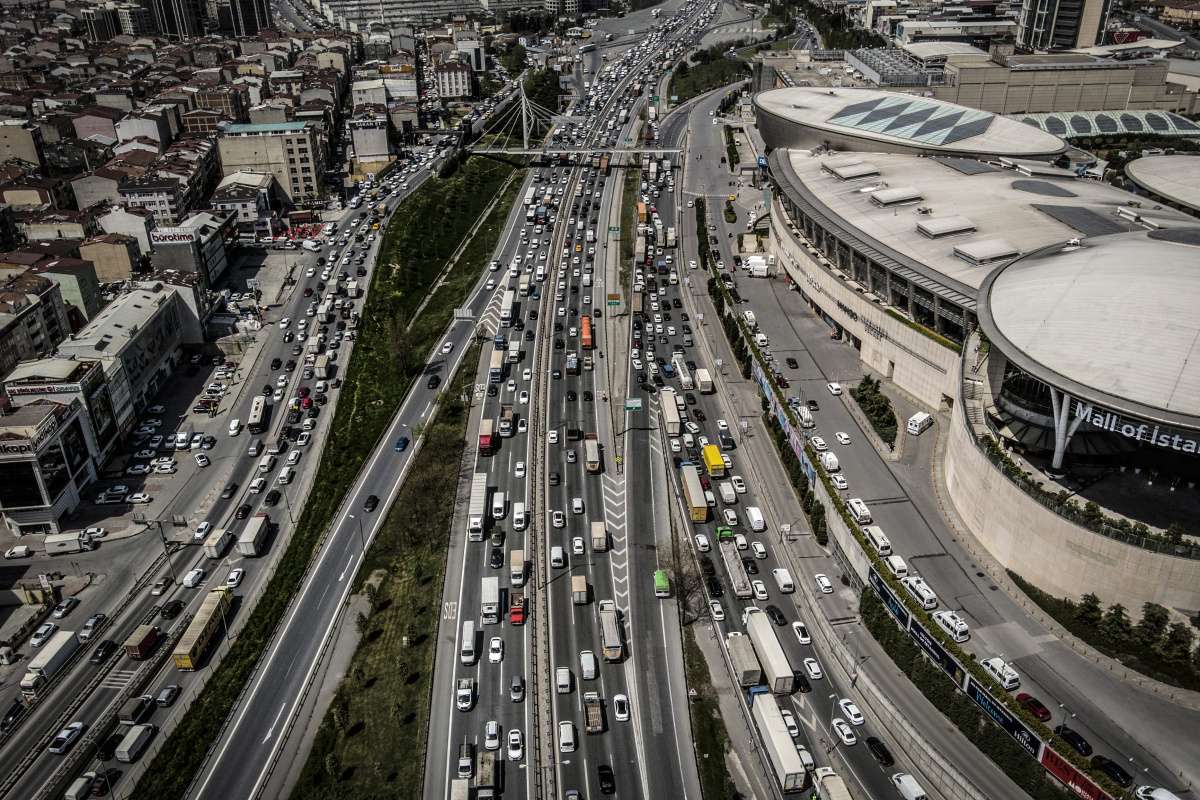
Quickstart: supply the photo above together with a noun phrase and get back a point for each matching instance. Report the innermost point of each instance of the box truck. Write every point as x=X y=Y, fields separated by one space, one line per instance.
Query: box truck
x=516 y=567
x=599 y=537
x=70 y=542
x=778 y=744
x=489 y=602
x=52 y=657
x=217 y=542
x=745 y=663
x=704 y=383
x=251 y=542
x=579 y=590
x=476 y=513
x=134 y=743
x=594 y=710
x=776 y=670
x=141 y=642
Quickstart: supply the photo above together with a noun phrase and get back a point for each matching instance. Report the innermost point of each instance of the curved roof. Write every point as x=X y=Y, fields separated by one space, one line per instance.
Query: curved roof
x=1113 y=322
x=1073 y=124
x=906 y=121
x=1175 y=178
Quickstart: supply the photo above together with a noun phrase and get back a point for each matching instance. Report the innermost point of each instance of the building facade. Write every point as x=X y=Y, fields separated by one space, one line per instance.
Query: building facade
x=44 y=464
x=291 y=151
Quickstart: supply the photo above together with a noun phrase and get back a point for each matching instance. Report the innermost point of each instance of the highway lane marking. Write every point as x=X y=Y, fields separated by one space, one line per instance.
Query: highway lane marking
x=346 y=570
x=271 y=730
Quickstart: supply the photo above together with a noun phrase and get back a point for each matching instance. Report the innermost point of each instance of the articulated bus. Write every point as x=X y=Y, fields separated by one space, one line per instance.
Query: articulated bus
x=257 y=422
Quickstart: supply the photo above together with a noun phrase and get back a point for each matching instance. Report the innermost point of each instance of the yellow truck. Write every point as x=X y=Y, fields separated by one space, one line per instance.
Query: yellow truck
x=713 y=461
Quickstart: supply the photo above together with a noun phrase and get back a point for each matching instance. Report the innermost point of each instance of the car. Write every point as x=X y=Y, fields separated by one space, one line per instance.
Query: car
x=823 y=583
x=835 y=389
x=717 y=611
x=371 y=503
x=692 y=428
x=234 y=578
x=230 y=490
x=201 y=459
x=1074 y=739
x=713 y=584
x=751 y=566
x=842 y=438
x=516 y=689
x=202 y=530
x=576 y=505
x=1113 y=770
x=702 y=543
x=571 y=458
x=172 y=609
x=103 y=650
x=554 y=478
x=606 y=779
x=852 y=712
x=731 y=518
x=843 y=731
x=801 y=631
x=243 y=511
x=167 y=695
x=193 y=578
x=880 y=752
x=516 y=745
x=776 y=615
x=66 y=738
x=13 y=716
x=90 y=627
x=1034 y=706
x=64 y=607
x=491 y=735
x=813 y=668
x=138 y=498
x=496 y=558
x=42 y=634
x=138 y=469
x=789 y=722
x=496 y=650
x=818 y=444
x=433 y=382
x=401 y=444
x=791 y=362
x=160 y=586
x=760 y=590
x=558 y=519
x=739 y=485
x=552 y=436
x=839 y=481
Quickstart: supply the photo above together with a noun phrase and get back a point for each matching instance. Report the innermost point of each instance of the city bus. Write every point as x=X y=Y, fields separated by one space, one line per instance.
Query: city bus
x=585 y=333
x=194 y=643
x=506 y=308
x=529 y=196
x=662 y=584
x=257 y=422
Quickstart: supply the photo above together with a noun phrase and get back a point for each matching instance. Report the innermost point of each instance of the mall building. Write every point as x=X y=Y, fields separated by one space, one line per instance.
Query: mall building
x=1053 y=316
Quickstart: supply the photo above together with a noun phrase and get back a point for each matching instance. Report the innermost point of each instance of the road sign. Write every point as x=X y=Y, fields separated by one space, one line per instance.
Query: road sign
x=654 y=99
x=614 y=228
x=633 y=404
x=674 y=98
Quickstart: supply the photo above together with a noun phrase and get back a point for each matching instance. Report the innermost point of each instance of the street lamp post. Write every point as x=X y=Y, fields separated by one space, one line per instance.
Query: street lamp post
x=361 y=539
x=162 y=537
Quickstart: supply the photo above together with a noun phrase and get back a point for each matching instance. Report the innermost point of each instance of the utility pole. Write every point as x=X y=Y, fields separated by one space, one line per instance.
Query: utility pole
x=162 y=537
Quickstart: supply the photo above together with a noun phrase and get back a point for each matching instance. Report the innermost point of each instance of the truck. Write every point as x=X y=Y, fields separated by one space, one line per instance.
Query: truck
x=778 y=744
x=516 y=607
x=713 y=461
x=829 y=461
x=591 y=453
x=251 y=541
x=579 y=590
x=594 y=713
x=460 y=789
x=693 y=493
x=516 y=567
x=486 y=780
x=669 y=410
x=489 y=600
x=50 y=659
x=141 y=642
x=514 y=351
x=612 y=646
x=599 y=537
x=352 y=289
x=312 y=345
x=728 y=495
x=134 y=742
x=464 y=694
x=321 y=368
x=487 y=436
x=69 y=542
x=685 y=375
x=704 y=383
x=496 y=367
x=506 y=420
x=758 y=271
x=776 y=670
x=670 y=237
x=476 y=512
x=829 y=785
x=745 y=663
x=572 y=363
x=733 y=563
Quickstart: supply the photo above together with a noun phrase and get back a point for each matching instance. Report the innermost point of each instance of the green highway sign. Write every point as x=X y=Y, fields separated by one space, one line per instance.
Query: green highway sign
x=614 y=229
x=633 y=404
x=614 y=302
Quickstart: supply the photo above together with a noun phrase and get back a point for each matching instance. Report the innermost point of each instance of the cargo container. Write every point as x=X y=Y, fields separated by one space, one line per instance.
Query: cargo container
x=776 y=670
x=669 y=412
x=252 y=539
x=496 y=367
x=51 y=658
x=778 y=743
x=133 y=744
x=487 y=436
x=704 y=383
x=579 y=590
x=693 y=493
x=489 y=600
x=613 y=648
x=477 y=511
x=516 y=567
x=321 y=368
x=70 y=542
x=141 y=642
x=217 y=542
x=745 y=663
x=594 y=713
x=713 y=463
x=599 y=537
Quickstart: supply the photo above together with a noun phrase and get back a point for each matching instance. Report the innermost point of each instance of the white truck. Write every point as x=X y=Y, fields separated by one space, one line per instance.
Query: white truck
x=250 y=543
x=489 y=602
x=477 y=511
x=737 y=571
x=776 y=669
x=670 y=237
x=728 y=495
x=321 y=368
x=830 y=462
x=745 y=663
x=829 y=785
x=780 y=749
x=704 y=382
x=516 y=567
x=69 y=542
x=49 y=660
x=599 y=537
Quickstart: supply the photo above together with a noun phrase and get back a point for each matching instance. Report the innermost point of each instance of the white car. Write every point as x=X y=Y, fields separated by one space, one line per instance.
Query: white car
x=138 y=498
x=522 y=425
x=511 y=386
x=834 y=388
x=138 y=469
x=576 y=505
x=739 y=485
x=42 y=634
x=853 y=714
x=201 y=460
x=491 y=284
x=692 y=428
x=558 y=519
x=202 y=530
x=193 y=578
x=527 y=375
x=818 y=444
x=717 y=610
x=447 y=347
x=676 y=447
x=293 y=458
x=523 y=398
x=234 y=578
x=491 y=735
x=730 y=516
x=95 y=532
x=759 y=550
x=496 y=650
x=789 y=722
x=519 y=469
x=760 y=590
x=823 y=583
x=516 y=746
x=66 y=738
x=727 y=461
x=801 y=632
x=283 y=323
x=813 y=668
x=702 y=543
x=621 y=707
x=843 y=731
x=839 y=481
x=842 y=438
x=722 y=425
x=552 y=436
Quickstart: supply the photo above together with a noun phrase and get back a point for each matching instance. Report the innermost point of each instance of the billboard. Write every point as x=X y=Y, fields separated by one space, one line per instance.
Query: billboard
x=1071 y=777
x=894 y=604
x=1003 y=717
x=926 y=641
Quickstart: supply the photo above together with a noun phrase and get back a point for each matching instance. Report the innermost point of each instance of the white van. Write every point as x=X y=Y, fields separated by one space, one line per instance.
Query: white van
x=81 y=787
x=953 y=625
x=919 y=422
x=805 y=416
x=466 y=651
x=183 y=440
x=499 y=505
x=134 y=743
x=878 y=540
x=751 y=322
x=859 y=510
x=558 y=558
x=519 y=520
x=920 y=591
x=285 y=476
x=757 y=523
x=235 y=427
x=896 y=566
x=566 y=737
x=761 y=339
x=908 y=787
x=562 y=680
x=267 y=463
x=1002 y=672
x=783 y=579
x=587 y=665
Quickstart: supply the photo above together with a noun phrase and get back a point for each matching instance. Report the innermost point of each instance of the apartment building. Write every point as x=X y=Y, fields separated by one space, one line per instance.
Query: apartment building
x=291 y=151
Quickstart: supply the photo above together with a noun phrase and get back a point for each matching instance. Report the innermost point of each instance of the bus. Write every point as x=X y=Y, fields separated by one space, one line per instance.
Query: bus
x=506 y=308
x=591 y=453
x=662 y=584
x=257 y=422
x=194 y=643
x=585 y=333
x=529 y=196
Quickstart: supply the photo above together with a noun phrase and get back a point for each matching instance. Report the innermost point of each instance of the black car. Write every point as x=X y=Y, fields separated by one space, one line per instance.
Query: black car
x=290 y=365
x=813 y=405
x=371 y=504
x=714 y=586
x=792 y=363
x=558 y=344
x=776 y=615
x=880 y=752
x=108 y=748
x=676 y=303
x=293 y=417
x=313 y=412
x=171 y=609
x=555 y=479
x=230 y=490
x=492 y=391
x=103 y=650
x=1113 y=770
x=267 y=390
x=12 y=716
x=571 y=396
x=243 y=511
x=496 y=558
x=587 y=397
x=800 y=681
x=608 y=783
x=699 y=415
x=707 y=567
x=690 y=398
x=1073 y=738
x=433 y=382
x=272 y=498
x=529 y=336
x=276 y=363
x=751 y=567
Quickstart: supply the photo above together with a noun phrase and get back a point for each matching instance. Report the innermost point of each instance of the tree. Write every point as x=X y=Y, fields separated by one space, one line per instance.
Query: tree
x=1089 y=612
x=1115 y=626
x=1149 y=632
x=1177 y=646
x=333 y=767
x=341 y=717
x=683 y=68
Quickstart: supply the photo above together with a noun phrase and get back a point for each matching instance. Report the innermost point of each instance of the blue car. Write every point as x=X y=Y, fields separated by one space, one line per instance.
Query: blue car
x=401 y=444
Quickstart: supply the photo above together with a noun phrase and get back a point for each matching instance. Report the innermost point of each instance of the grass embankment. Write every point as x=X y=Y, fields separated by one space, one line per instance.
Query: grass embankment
x=709 y=736
x=629 y=201
x=421 y=236
x=381 y=710
x=714 y=70
x=877 y=407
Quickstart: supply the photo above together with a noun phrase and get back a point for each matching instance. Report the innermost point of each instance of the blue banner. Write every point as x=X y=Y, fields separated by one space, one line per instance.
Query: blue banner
x=1016 y=729
x=930 y=645
x=894 y=604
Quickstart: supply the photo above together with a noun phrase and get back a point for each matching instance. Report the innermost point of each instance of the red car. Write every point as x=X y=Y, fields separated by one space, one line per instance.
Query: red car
x=1034 y=706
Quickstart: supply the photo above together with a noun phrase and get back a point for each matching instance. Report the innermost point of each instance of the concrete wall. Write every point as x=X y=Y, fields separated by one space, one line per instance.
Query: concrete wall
x=914 y=362
x=1050 y=552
